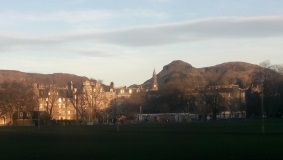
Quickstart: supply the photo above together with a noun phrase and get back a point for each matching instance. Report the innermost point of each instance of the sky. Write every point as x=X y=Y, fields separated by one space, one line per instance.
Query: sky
x=125 y=40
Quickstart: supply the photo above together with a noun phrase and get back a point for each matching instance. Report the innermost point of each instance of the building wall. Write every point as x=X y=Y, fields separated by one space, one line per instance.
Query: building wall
x=62 y=108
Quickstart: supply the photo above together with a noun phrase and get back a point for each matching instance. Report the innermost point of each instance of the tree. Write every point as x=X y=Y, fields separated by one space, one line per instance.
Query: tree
x=74 y=98
x=87 y=100
x=198 y=98
x=52 y=99
x=15 y=97
x=278 y=68
x=132 y=104
x=266 y=82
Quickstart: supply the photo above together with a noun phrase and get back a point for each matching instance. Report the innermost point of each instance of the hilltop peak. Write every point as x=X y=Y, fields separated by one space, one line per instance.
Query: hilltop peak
x=177 y=65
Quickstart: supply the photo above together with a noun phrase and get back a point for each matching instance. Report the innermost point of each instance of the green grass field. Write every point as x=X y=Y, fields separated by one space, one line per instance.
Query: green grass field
x=209 y=140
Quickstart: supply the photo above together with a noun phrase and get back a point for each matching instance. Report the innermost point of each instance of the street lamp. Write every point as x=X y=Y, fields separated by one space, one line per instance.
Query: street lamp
x=38 y=120
x=117 y=116
x=140 y=109
x=229 y=104
x=76 y=103
x=262 y=107
x=93 y=111
x=140 y=113
x=188 y=107
x=203 y=108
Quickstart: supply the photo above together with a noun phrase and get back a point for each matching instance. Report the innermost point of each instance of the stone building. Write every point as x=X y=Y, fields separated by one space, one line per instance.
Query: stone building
x=229 y=101
x=55 y=102
x=87 y=102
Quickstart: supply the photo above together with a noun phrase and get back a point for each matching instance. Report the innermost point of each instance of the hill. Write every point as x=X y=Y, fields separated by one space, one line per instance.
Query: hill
x=176 y=72
x=183 y=73
x=60 y=79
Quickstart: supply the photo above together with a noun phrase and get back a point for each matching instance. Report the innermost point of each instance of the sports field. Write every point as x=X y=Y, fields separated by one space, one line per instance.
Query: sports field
x=209 y=140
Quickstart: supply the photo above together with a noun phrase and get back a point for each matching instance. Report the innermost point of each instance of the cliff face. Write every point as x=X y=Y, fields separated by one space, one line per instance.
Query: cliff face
x=223 y=74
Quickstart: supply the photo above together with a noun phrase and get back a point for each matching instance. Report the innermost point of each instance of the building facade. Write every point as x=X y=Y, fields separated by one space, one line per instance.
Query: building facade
x=87 y=102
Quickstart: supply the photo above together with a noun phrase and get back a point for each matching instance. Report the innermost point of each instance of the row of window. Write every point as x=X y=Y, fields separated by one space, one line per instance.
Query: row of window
x=68 y=112
x=59 y=99
x=59 y=105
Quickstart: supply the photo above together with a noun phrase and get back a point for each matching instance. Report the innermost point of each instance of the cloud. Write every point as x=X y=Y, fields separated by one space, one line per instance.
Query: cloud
x=217 y=28
x=184 y=32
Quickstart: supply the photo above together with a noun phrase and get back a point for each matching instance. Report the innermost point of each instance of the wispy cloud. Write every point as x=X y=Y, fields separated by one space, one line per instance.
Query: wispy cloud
x=228 y=28
x=209 y=29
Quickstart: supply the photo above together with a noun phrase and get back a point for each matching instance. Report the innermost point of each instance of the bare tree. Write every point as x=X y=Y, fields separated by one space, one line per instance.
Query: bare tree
x=52 y=99
x=266 y=85
x=201 y=104
x=15 y=97
x=134 y=103
x=94 y=98
x=74 y=98
x=278 y=68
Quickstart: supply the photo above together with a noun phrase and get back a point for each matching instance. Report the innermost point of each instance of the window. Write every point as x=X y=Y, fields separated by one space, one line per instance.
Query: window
x=28 y=114
x=21 y=114
x=69 y=112
x=130 y=91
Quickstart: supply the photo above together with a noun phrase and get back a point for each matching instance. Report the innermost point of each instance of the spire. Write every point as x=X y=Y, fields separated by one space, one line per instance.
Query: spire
x=154 y=81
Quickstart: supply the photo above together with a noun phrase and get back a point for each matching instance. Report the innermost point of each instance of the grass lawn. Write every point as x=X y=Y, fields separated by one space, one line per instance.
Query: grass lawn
x=209 y=140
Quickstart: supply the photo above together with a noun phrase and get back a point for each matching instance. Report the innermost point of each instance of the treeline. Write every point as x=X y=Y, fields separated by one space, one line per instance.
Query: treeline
x=204 y=102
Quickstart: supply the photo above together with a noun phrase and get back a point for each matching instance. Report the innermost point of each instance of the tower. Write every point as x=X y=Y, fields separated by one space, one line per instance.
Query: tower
x=154 y=81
